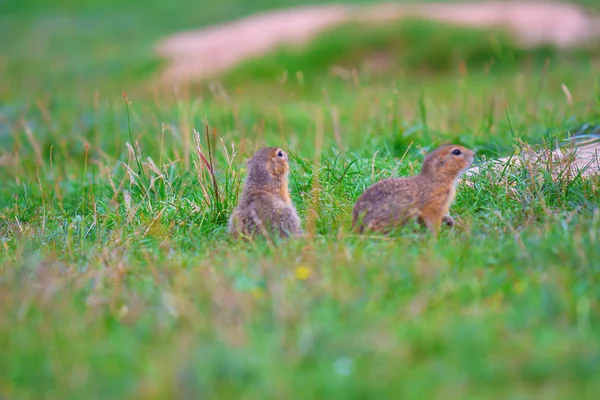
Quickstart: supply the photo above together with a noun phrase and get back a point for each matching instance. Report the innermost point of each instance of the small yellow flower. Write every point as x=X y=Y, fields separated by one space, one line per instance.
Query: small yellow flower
x=303 y=273
x=496 y=299
x=520 y=286
x=123 y=311
x=257 y=293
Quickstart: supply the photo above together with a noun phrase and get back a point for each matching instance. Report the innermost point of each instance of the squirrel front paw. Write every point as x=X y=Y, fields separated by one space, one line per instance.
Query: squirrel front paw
x=448 y=220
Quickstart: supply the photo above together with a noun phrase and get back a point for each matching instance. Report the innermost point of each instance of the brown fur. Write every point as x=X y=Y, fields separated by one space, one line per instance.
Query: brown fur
x=265 y=207
x=427 y=196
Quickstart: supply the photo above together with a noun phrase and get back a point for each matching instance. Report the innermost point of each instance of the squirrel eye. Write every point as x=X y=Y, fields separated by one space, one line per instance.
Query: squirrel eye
x=456 y=152
x=280 y=153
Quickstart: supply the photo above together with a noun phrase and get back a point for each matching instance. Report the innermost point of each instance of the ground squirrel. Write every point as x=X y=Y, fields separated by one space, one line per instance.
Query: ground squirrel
x=265 y=207
x=427 y=196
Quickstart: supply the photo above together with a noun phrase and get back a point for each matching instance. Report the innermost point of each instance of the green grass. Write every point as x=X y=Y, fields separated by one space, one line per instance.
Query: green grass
x=121 y=283
x=413 y=47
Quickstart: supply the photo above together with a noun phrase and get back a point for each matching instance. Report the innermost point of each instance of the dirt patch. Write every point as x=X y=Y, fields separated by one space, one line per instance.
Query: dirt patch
x=576 y=156
x=208 y=52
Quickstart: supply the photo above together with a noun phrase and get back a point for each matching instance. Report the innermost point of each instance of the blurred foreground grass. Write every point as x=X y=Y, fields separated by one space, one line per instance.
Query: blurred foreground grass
x=121 y=283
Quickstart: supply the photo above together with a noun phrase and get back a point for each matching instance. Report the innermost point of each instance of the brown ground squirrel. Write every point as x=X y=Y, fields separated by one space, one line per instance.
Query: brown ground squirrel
x=427 y=196
x=265 y=207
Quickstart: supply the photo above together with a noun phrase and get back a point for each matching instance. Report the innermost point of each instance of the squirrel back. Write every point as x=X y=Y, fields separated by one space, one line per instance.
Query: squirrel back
x=427 y=196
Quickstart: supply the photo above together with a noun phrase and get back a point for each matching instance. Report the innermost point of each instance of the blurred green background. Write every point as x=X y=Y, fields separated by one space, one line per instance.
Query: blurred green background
x=68 y=46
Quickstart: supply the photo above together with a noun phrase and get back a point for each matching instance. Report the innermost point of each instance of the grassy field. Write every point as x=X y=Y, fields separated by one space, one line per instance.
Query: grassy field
x=117 y=278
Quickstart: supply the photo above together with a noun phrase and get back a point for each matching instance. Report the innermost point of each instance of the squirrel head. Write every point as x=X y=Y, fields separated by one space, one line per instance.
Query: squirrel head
x=447 y=162
x=268 y=167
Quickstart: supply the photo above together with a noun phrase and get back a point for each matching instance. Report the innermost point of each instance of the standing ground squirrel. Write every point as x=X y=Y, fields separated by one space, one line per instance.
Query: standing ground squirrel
x=265 y=207
x=427 y=196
